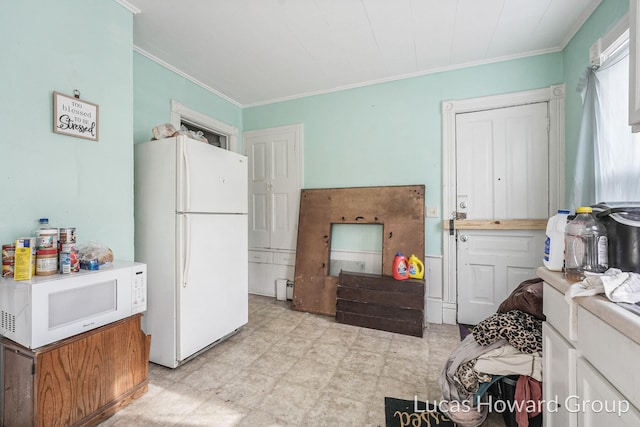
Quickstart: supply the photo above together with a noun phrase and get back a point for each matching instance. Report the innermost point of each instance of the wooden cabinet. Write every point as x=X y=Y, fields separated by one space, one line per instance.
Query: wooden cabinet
x=79 y=381
x=381 y=302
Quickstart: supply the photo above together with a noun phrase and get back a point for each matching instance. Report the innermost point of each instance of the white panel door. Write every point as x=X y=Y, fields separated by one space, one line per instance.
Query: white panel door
x=502 y=173
x=213 y=292
x=275 y=178
x=502 y=163
x=285 y=191
x=491 y=263
x=258 y=149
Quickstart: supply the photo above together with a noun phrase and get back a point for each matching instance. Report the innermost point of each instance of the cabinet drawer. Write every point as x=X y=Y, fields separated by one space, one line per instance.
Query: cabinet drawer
x=261 y=257
x=284 y=258
x=611 y=353
x=559 y=313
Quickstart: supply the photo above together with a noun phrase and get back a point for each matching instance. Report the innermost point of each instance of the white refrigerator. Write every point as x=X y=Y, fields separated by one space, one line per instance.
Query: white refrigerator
x=191 y=230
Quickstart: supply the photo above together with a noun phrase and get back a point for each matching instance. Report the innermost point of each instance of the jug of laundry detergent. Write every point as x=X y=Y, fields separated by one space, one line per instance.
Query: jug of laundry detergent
x=416 y=267
x=400 y=267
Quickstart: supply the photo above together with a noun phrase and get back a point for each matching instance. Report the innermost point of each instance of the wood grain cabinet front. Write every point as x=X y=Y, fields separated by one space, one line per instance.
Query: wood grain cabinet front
x=79 y=381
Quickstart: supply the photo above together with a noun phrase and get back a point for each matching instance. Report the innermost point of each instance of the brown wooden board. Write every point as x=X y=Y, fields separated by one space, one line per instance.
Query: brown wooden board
x=380 y=310
x=399 y=209
x=381 y=283
x=389 y=325
x=393 y=299
x=381 y=302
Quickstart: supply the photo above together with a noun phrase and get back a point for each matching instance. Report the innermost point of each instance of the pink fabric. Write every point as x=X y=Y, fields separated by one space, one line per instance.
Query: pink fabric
x=527 y=390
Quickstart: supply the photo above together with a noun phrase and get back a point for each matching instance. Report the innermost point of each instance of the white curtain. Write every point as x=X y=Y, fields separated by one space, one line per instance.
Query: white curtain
x=608 y=157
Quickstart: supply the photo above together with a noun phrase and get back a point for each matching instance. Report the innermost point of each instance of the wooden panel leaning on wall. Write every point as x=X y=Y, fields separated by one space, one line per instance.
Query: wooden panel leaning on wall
x=400 y=210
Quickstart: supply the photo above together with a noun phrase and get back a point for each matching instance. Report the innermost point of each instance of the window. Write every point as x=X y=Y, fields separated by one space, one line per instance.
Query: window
x=216 y=132
x=616 y=148
x=213 y=137
x=608 y=152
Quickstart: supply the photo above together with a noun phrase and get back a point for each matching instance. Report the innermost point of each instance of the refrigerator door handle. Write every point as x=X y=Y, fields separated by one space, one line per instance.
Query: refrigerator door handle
x=186 y=175
x=187 y=250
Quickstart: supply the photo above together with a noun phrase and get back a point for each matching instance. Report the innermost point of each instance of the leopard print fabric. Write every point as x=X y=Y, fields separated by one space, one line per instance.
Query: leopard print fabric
x=522 y=330
x=467 y=379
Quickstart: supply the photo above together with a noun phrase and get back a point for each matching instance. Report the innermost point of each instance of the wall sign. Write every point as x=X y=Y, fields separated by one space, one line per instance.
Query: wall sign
x=74 y=117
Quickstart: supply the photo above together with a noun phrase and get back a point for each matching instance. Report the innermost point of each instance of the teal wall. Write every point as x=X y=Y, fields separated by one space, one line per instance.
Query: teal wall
x=391 y=133
x=385 y=134
x=154 y=88
x=61 y=46
x=575 y=60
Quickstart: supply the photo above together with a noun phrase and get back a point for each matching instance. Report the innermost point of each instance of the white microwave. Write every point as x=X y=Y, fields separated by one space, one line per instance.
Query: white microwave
x=46 y=309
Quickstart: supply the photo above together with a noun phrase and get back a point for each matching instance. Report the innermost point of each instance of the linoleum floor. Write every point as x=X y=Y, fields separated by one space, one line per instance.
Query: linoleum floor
x=289 y=368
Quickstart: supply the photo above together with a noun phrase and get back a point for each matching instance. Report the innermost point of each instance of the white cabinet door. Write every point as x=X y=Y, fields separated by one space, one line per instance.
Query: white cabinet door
x=258 y=148
x=559 y=378
x=275 y=180
x=598 y=403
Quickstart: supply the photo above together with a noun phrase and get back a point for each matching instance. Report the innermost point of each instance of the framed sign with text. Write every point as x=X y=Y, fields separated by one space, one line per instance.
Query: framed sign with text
x=74 y=117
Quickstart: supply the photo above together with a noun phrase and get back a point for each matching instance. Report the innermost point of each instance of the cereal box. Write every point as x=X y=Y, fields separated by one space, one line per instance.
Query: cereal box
x=24 y=258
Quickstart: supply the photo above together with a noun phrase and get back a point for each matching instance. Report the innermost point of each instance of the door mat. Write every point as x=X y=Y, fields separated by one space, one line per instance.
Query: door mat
x=465 y=330
x=414 y=413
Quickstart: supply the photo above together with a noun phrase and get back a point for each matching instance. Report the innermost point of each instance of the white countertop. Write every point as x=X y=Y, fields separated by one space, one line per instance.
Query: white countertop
x=618 y=317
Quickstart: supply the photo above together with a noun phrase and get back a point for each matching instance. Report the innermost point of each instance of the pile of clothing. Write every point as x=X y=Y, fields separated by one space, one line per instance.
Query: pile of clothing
x=506 y=343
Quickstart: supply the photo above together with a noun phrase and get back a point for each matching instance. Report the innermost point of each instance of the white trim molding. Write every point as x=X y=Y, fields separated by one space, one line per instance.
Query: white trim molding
x=554 y=96
x=433 y=293
x=128 y=6
x=184 y=75
x=179 y=112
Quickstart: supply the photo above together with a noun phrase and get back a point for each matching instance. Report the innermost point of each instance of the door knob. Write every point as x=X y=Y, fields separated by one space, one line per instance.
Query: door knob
x=464 y=238
x=463 y=204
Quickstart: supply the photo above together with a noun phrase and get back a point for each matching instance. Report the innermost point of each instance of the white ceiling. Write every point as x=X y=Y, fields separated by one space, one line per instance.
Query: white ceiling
x=258 y=51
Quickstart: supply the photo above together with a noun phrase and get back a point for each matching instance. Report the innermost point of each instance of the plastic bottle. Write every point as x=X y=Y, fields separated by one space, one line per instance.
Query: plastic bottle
x=400 y=267
x=42 y=223
x=46 y=236
x=416 y=267
x=586 y=246
x=554 y=243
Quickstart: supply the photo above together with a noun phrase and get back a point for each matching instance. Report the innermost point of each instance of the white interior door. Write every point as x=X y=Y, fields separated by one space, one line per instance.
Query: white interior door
x=275 y=180
x=258 y=148
x=502 y=173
